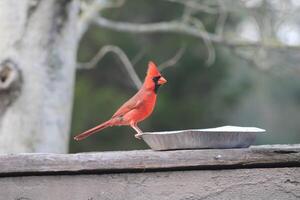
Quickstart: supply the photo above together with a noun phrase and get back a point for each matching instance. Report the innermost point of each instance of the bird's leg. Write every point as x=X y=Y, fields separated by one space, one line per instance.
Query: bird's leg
x=137 y=129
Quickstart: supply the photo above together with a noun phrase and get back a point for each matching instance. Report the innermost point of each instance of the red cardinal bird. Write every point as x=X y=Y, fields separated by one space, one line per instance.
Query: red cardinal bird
x=136 y=109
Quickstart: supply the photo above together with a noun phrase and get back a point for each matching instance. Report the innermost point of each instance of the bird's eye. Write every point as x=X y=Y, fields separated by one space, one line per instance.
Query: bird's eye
x=156 y=78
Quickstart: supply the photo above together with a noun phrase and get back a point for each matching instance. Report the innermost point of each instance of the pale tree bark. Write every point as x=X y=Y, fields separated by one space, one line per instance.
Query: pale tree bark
x=38 y=47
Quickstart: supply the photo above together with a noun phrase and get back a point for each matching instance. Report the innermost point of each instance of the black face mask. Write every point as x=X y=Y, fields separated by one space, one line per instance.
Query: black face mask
x=155 y=80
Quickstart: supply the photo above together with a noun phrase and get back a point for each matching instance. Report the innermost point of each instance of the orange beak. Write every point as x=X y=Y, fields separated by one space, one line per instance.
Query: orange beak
x=162 y=81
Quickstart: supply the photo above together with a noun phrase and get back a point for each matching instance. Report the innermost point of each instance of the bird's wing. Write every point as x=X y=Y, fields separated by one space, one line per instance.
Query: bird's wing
x=131 y=104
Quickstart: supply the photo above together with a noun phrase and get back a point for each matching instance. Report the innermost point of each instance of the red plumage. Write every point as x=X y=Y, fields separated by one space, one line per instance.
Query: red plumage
x=137 y=108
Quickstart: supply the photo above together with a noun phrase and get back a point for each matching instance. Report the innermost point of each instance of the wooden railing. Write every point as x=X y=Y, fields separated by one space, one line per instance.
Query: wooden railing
x=259 y=172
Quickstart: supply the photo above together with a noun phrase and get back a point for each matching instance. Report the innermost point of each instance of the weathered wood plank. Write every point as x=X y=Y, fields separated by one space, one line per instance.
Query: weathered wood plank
x=148 y=160
x=238 y=184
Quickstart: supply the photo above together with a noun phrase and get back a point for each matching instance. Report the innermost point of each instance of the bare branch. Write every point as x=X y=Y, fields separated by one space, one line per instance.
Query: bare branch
x=211 y=53
x=196 y=6
x=90 y=10
x=222 y=19
x=187 y=29
x=138 y=57
x=186 y=15
x=167 y=27
x=191 y=26
x=172 y=61
x=259 y=44
x=121 y=55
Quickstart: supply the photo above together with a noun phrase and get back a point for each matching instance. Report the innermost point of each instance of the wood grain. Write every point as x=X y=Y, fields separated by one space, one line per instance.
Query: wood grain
x=148 y=160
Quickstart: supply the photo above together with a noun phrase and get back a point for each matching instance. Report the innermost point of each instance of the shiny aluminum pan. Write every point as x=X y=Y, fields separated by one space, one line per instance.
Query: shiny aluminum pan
x=212 y=138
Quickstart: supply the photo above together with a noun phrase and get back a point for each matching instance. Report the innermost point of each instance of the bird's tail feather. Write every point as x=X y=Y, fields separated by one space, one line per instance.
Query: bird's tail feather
x=92 y=131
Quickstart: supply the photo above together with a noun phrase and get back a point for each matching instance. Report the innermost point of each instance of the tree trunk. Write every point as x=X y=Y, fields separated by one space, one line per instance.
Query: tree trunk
x=37 y=71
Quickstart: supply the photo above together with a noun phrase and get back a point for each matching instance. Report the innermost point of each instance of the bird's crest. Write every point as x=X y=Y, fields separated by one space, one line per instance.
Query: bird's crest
x=152 y=70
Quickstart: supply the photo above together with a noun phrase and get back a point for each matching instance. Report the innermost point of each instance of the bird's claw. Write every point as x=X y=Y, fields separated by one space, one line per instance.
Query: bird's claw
x=138 y=136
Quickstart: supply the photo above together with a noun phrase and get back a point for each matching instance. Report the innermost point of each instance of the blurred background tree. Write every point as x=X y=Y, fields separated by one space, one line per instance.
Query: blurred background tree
x=238 y=65
x=227 y=62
